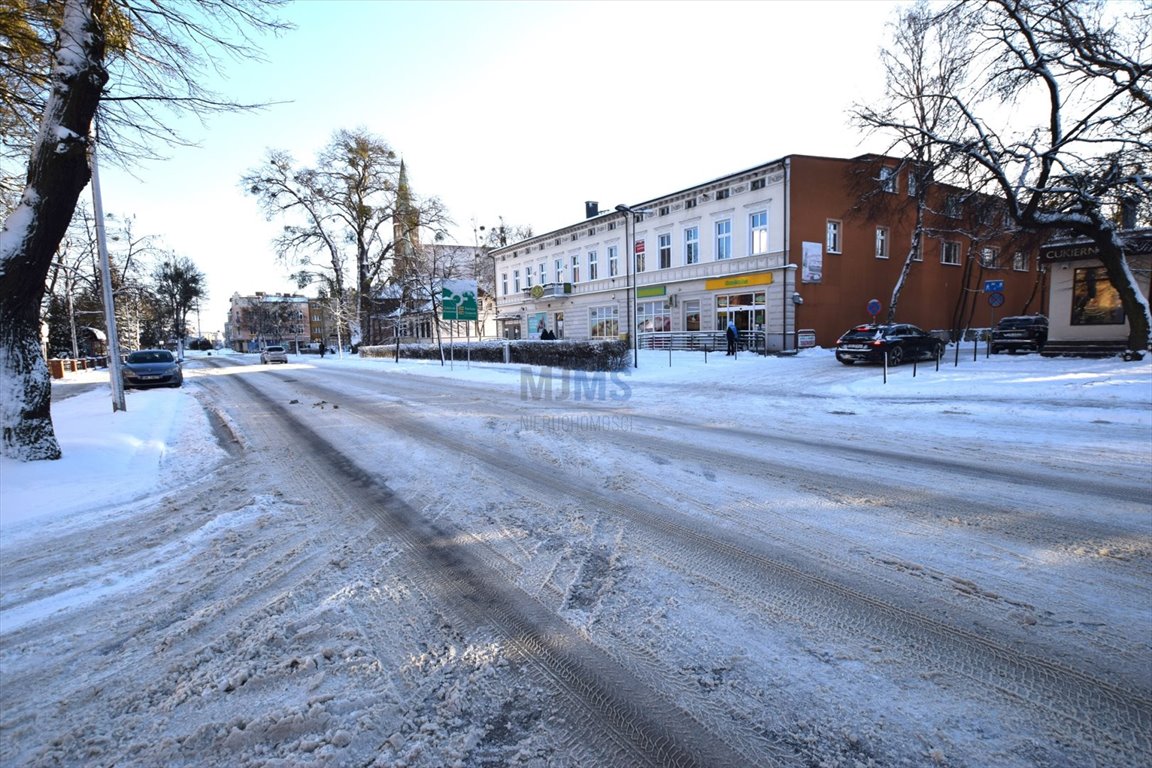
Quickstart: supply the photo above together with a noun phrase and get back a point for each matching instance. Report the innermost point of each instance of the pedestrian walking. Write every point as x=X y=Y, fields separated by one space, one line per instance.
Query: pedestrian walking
x=733 y=336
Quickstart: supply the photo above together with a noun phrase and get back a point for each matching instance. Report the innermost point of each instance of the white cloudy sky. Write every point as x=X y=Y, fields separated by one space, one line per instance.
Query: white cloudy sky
x=516 y=109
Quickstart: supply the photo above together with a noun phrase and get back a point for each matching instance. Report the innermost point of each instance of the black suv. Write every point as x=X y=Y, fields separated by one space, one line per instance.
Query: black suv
x=1027 y=332
x=897 y=341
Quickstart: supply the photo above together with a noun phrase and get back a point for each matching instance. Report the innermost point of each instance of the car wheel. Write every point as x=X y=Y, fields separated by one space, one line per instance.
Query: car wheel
x=895 y=356
x=844 y=361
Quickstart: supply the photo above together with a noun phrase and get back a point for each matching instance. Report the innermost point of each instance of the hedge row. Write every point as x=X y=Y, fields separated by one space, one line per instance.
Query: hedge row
x=574 y=355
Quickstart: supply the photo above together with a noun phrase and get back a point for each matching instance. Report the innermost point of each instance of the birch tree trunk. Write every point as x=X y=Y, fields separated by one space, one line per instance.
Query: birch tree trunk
x=58 y=172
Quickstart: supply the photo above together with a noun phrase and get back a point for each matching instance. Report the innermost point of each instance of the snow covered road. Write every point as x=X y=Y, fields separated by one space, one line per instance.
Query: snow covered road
x=389 y=568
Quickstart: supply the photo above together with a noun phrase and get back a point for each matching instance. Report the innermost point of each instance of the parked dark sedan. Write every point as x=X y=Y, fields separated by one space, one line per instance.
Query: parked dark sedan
x=899 y=341
x=151 y=368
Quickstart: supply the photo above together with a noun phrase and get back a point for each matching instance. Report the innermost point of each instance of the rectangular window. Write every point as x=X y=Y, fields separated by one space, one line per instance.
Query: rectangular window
x=516 y=281
x=504 y=283
x=559 y=264
x=990 y=258
x=575 y=267
x=692 y=315
x=1095 y=301
x=758 y=228
x=832 y=240
x=593 y=267
x=949 y=252
x=611 y=225
x=613 y=261
x=664 y=210
x=918 y=252
x=953 y=206
x=911 y=184
x=664 y=246
x=604 y=322
x=722 y=194
x=692 y=245
x=639 y=265
x=888 y=179
x=690 y=203
x=528 y=276
x=881 y=242
x=1020 y=261
x=758 y=183
x=652 y=316
x=723 y=239
x=543 y=272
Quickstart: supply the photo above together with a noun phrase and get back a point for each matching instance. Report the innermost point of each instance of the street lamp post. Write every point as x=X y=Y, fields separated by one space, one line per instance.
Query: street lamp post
x=631 y=213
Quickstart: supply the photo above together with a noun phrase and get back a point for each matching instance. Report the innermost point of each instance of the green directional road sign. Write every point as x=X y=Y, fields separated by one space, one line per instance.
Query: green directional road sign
x=458 y=300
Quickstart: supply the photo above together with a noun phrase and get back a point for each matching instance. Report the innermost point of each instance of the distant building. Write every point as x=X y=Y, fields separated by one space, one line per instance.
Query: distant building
x=406 y=311
x=256 y=321
x=792 y=251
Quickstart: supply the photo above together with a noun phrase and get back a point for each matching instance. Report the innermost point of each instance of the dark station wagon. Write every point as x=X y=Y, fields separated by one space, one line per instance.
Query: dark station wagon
x=897 y=341
x=1021 y=332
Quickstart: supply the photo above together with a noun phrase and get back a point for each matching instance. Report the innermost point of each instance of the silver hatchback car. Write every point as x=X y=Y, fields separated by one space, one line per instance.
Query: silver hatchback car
x=274 y=354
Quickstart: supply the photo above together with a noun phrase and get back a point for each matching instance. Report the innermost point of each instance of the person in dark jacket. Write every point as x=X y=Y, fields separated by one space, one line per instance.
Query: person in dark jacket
x=733 y=336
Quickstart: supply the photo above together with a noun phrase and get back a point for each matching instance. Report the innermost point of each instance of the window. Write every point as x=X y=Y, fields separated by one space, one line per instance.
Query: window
x=917 y=247
x=664 y=210
x=559 y=264
x=543 y=272
x=613 y=261
x=758 y=227
x=504 y=283
x=1020 y=261
x=949 y=252
x=652 y=316
x=611 y=225
x=911 y=184
x=888 y=179
x=722 y=194
x=516 y=280
x=575 y=267
x=990 y=258
x=723 y=239
x=593 y=267
x=692 y=245
x=692 y=315
x=881 y=242
x=664 y=248
x=604 y=322
x=758 y=183
x=953 y=206
x=639 y=265
x=832 y=241
x=528 y=276
x=690 y=203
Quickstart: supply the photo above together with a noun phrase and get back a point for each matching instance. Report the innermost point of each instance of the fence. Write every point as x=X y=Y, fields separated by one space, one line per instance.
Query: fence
x=699 y=341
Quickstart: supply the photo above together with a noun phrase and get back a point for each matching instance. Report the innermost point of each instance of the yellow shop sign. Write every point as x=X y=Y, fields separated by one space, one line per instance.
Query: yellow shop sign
x=738 y=281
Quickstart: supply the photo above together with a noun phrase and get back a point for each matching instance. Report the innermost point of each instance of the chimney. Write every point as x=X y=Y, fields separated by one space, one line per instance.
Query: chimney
x=1128 y=213
x=591 y=209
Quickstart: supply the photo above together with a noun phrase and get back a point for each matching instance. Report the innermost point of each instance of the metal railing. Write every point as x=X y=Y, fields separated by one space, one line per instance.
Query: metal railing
x=700 y=341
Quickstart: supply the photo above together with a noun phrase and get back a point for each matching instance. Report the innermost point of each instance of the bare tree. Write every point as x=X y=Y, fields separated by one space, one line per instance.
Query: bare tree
x=179 y=287
x=341 y=213
x=349 y=214
x=1083 y=66
x=158 y=50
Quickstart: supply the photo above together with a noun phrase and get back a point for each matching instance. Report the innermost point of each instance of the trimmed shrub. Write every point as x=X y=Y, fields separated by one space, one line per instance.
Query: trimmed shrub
x=573 y=355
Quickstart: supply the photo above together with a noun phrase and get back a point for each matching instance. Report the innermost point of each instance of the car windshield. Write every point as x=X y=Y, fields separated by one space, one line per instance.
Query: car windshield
x=157 y=356
x=275 y=349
